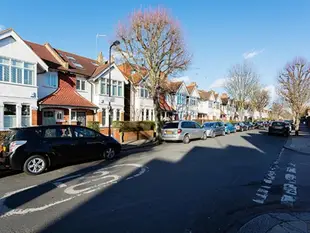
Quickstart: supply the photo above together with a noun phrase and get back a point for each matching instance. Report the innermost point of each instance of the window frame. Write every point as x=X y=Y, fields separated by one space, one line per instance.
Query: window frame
x=80 y=86
x=49 y=80
x=84 y=128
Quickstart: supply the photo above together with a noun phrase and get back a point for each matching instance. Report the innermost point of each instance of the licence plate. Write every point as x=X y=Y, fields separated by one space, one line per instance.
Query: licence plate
x=169 y=132
x=278 y=127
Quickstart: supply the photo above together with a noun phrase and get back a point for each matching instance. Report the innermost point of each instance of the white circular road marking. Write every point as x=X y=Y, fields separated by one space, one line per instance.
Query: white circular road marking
x=102 y=177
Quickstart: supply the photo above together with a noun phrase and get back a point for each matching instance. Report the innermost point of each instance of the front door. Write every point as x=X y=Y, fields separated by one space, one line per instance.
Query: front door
x=81 y=118
x=49 y=117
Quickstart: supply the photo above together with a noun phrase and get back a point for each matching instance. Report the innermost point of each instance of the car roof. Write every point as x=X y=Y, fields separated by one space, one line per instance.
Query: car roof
x=45 y=126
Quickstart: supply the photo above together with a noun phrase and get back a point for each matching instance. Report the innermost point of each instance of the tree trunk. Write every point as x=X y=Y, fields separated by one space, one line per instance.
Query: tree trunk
x=297 y=122
x=158 y=122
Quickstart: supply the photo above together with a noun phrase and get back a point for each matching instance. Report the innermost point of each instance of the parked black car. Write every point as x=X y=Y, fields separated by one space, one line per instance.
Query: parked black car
x=279 y=127
x=249 y=125
x=33 y=149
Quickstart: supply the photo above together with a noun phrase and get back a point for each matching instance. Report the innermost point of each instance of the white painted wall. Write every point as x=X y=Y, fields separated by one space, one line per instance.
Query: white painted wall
x=87 y=93
x=43 y=88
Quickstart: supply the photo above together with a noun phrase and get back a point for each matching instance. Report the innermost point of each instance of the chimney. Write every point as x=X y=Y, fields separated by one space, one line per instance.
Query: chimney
x=56 y=56
x=100 y=58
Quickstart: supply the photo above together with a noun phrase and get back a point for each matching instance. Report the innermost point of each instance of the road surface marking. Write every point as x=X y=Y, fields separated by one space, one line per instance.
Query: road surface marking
x=289 y=187
x=5 y=211
x=262 y=192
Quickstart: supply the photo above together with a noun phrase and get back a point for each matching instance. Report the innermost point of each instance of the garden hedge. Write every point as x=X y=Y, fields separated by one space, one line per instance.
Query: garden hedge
x=133 y=126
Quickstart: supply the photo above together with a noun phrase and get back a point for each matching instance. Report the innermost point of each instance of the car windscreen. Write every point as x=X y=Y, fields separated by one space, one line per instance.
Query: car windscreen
x=278 y=124
x=171 y=125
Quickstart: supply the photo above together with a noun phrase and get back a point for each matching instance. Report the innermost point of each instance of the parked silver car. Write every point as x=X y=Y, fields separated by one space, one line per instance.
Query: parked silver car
x=214 y=128
x=183 y=131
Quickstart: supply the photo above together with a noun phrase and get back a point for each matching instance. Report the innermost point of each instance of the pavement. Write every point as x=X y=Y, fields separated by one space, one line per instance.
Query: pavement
x=300 y=143
x=218 y=185
x=138 y=144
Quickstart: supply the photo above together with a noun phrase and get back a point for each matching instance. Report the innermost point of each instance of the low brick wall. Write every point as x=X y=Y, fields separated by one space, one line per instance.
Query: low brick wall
x=128 y=136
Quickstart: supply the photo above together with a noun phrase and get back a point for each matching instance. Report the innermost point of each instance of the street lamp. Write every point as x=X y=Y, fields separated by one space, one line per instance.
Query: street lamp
x=115 y=43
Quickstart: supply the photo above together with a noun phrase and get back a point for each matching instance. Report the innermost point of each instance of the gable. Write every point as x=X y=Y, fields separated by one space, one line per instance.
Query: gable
x=12 y=46
x=116 y=74
x=183 y=89
x=195 y=93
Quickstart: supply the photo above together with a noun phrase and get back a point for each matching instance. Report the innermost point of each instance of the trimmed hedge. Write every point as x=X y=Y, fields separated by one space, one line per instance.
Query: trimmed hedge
x=95 y=125
x=133 y=126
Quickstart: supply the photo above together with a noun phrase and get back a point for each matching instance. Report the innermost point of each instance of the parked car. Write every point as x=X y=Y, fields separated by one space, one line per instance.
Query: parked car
x=214 y=128
x=279 y=127
x=33 y=149
x=183 y=131
x=291 y=124
x=249 y=125
x=259 y=125
x=230 y=128
x=241 y=127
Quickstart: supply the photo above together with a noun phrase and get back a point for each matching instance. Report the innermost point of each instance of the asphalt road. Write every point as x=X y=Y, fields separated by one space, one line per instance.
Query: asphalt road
x=205 y=186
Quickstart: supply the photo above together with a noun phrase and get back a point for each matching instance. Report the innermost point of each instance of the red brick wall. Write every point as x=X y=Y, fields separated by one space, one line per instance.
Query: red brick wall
x=128 y=136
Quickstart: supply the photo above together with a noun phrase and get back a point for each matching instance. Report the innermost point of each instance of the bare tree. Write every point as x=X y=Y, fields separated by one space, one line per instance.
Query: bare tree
x=277 y=109
x=259 y=100
x=241 y=83
x=294 y=86
x=152 y=41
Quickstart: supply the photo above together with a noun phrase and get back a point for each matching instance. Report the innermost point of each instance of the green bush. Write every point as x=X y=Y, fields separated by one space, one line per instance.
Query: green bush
x=133 y=126
x=94 y=125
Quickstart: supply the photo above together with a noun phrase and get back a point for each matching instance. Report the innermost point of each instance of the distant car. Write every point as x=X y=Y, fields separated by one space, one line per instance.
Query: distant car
x=183 y=131
x=249 y=125
x=230 y=128
x=291 y=123
x=241 y=127
x=214 y=128
x=279 y=127
x=259 y=125
x=33 y=149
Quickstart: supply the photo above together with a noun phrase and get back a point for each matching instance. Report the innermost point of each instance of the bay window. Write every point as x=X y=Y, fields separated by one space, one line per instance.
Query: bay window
x=210 y=104
x=114 y=87
x=144 y=93
x=15 y=71
x=103 y=86
x=120 y=88
x=9 y=115
x=73 y=116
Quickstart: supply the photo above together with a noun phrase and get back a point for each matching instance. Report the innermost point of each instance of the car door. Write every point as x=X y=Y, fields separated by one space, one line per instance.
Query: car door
x=222 y=127
x=199 y=130
x=89 y=144
x=217 y=128
x=59 y=140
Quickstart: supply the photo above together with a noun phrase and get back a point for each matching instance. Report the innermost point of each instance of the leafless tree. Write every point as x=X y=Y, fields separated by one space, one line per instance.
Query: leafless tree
x=294 y=86
x=277 y=109
x=152 y=42
x=259 y=100
x=241 y=83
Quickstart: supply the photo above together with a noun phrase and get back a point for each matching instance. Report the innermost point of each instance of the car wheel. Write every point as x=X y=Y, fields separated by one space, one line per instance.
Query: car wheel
x=109 y=153
x=35 y=165
x=186 y=139
x=204 y=136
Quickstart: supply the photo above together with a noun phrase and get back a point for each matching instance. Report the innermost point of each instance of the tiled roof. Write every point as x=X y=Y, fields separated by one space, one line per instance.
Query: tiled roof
x=127 y=71
x=205 y=95
x=191 y=87
x=66 y=95
x=77 y=64
x=174 y=86
x=164 y=105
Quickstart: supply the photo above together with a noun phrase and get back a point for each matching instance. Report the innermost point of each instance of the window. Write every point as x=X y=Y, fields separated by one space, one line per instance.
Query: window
x=142 y=114
x=210 y=104
x=83 y=133
x=188 y=124
x=25 y=115
x=80 y=85
x=197 y=125
x=114 y=87
x=4 y=69
x=59 y=115
x=104 y=117
x=217 y=105
x=147 y=115
x=16 y=71
x=120 y=89
x=9 y=115
x=118 y=115
x=103 y=86
x=152 y=115
x=51 y=80
x=48 y=114
x=193 y=101
x=73 y=116
x=57 y=132
x=144 y=93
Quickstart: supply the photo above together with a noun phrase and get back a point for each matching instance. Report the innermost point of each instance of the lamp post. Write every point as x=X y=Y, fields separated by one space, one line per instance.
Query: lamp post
x=115 y=43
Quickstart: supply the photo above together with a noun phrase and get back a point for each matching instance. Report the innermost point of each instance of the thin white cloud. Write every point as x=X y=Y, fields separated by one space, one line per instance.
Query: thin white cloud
x=2 y=27
x=218 y=83
x=185 y=79
x=272 y=92
x=252 y=53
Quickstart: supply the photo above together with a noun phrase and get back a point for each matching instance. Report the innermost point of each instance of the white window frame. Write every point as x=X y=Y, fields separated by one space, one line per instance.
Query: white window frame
x=48 y=81
x=14 y=104
x=119 y=85
x=28 y=117
x=79 y=88
x=75 y=117
x=114 y=84
x=22 y=67
x=103 y=90
x=62 y=114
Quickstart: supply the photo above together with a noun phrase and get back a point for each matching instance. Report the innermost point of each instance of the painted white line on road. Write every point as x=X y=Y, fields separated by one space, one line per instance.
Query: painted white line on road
x=289 y=188
x=262 y=192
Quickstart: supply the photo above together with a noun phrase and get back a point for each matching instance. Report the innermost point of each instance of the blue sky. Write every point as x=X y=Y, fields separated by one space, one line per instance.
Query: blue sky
x=218 y=33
